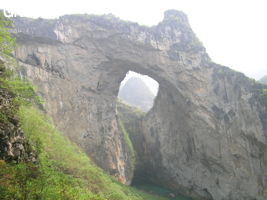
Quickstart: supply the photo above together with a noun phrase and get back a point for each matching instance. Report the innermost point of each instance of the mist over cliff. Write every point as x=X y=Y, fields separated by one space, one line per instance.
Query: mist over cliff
x=264 y=80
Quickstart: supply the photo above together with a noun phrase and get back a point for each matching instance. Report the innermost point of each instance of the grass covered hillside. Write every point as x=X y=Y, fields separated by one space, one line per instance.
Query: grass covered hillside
x=62 y=170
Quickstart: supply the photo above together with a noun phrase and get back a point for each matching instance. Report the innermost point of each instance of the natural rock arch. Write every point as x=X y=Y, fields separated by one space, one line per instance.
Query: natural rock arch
x=207 y=125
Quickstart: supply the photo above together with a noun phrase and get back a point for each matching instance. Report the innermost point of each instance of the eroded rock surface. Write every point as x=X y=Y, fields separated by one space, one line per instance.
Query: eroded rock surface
x=205 y=135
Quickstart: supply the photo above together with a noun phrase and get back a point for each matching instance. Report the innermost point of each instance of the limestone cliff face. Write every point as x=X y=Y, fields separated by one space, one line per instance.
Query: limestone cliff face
x=205 y=135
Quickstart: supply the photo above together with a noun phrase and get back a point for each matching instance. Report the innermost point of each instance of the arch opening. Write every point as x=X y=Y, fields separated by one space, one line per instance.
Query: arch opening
x=136 y=98
x=138 y=91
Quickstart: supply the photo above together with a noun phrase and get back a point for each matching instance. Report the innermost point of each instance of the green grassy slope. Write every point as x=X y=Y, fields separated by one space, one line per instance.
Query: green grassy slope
x=64 y=158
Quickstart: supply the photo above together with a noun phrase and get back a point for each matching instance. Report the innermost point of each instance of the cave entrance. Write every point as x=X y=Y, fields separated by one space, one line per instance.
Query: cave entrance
x=138 y=91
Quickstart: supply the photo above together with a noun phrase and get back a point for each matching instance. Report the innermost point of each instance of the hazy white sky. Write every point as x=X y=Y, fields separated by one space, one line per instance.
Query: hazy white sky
x=150 y=82
x=234 y=32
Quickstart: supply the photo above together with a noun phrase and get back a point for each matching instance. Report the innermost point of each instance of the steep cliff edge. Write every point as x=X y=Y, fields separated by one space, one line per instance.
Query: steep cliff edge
x=205 y=135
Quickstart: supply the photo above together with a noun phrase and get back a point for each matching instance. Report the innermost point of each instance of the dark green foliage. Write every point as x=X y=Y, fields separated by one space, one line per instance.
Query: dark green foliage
x=28 y=181
x=14 y=92
x=7 y=43
x=22 y=90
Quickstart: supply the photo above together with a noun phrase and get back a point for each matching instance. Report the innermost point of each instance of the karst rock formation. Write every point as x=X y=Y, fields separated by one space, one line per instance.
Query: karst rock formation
x=206 y=133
